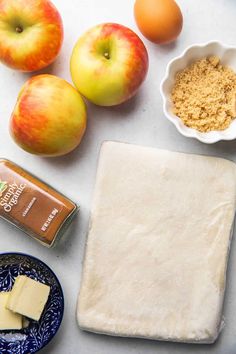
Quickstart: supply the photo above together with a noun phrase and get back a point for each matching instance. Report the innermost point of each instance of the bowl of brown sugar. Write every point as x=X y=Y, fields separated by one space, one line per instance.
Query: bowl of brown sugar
x=199 y=92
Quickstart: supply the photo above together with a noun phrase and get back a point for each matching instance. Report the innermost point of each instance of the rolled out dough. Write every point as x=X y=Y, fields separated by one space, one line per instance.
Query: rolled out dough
x=158 y=244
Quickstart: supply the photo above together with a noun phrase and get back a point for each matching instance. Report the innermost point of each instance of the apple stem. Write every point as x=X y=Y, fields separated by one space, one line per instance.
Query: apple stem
x=106 y=55
x=19 y=29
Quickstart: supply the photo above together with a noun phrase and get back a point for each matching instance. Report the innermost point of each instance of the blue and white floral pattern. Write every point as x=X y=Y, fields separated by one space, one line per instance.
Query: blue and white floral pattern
x=38 y=334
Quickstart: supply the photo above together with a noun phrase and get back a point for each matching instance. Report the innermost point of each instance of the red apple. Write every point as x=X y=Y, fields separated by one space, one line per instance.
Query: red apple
x=108 y=64
x=49 y=117
x=31 y=33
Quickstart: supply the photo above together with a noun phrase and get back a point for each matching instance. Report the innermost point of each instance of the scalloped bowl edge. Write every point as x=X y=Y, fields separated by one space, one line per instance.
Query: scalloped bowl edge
x=194 y=52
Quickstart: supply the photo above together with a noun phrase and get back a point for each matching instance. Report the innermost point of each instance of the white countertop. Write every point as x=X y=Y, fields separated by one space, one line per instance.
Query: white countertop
x=139 y=121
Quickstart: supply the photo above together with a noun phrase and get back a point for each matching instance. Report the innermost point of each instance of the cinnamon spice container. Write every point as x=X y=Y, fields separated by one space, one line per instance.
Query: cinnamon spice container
x=32 y=205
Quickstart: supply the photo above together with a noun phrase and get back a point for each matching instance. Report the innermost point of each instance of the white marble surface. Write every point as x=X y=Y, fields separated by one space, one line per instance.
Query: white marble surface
x=139 y=121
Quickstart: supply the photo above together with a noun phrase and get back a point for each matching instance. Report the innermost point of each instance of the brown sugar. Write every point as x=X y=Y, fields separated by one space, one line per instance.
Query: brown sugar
x=204 y=95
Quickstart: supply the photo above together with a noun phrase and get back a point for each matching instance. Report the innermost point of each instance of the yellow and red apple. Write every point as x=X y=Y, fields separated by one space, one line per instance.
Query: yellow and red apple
x=108 y=64
x=31 y=33
x=49 y=117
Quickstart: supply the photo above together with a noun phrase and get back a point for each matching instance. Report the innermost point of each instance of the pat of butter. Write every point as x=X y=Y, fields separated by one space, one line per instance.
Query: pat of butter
x=28 y=297
x=8 y=320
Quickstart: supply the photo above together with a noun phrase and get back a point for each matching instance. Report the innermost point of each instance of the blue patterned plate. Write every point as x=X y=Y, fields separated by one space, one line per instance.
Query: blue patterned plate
x=38 y=334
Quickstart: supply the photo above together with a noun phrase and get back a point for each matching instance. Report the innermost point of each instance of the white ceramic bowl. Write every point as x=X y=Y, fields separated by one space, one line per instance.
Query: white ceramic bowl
x=228 y=57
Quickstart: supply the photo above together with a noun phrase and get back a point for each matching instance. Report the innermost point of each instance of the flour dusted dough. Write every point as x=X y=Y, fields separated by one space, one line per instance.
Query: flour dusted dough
x=158 y=243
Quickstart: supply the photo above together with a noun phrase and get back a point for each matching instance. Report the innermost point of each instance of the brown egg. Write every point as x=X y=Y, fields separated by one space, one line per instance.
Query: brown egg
x=160 y=21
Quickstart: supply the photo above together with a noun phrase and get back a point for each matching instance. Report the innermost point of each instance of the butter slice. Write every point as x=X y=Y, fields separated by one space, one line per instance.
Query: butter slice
x=8 y=320
x=28 y=297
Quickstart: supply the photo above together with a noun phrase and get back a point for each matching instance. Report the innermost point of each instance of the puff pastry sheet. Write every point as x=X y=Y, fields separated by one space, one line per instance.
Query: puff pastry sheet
x=158 y=245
